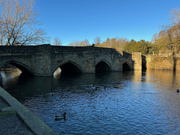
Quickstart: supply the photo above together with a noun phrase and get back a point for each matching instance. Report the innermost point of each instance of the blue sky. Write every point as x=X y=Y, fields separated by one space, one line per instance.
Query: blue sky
x=77 y=20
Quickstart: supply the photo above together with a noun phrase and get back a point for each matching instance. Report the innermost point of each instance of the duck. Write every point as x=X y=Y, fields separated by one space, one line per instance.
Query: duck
x=177 y=91
x=95 y=87
x=52 y=94
x=57 y=117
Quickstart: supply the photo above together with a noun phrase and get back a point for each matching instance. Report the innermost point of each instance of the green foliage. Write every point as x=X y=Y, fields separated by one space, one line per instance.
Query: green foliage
x=117 y=43
x=140 y=46
x=122 y=44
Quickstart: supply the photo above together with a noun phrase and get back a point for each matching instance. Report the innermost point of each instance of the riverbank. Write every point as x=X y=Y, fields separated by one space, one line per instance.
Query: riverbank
x=15 y=118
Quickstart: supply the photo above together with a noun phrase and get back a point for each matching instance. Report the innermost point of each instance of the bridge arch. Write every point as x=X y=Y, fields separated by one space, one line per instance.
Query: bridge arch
x=69 y=67
x=126 y=66
x=103 y=66
x=23 y=67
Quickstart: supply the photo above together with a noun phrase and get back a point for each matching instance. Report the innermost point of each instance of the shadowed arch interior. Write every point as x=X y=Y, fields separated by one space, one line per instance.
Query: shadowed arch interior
x=102 y=67
x=25 y=70
x=70 y=68
x=126 y=67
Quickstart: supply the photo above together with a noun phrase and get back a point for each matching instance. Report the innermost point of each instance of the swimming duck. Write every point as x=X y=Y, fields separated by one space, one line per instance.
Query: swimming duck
x=57 y=117
x=95 y=87
x=52 y=94
x=177 y=91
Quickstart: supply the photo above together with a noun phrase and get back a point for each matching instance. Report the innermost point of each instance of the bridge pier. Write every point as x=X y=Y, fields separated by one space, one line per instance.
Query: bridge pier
x=89 y=70
x=43 y=67
x=42 y=61
x=137 y=58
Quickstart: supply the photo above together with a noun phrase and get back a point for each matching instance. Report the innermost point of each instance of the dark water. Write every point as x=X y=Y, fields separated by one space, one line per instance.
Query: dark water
x=103 y=104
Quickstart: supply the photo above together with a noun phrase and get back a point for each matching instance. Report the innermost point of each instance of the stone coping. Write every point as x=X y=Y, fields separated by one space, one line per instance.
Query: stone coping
x=37 y=126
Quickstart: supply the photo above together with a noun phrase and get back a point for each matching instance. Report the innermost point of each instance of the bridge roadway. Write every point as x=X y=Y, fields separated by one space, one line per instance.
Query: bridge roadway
x=43 y=60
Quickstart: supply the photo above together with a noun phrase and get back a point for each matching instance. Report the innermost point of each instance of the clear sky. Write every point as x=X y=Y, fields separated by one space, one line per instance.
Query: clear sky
x=77 y=20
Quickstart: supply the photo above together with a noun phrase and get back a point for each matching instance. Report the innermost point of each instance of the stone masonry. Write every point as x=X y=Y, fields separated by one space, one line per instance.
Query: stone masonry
x=43 y=60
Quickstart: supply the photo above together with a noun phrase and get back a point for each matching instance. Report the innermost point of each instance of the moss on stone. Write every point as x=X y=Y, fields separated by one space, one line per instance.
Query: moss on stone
x=7 y=114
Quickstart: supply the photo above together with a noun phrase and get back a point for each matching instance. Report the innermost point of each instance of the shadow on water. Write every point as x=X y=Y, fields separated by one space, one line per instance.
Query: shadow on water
x=103 y=103
x=23 y=87
x=30 y=85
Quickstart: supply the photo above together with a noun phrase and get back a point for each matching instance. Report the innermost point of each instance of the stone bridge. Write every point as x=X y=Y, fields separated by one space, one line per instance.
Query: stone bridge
x=43 y=60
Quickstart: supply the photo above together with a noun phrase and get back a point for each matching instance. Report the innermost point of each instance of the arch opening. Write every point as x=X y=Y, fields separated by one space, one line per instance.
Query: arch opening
x=70 y=68
x=67 y=68
x=25 y=71
x=102 y=67
x=126 y=67
x=8 y=72
x=16 y=68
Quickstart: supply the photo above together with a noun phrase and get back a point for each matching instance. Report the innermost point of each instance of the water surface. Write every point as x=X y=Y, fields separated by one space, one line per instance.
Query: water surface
x=104 y=104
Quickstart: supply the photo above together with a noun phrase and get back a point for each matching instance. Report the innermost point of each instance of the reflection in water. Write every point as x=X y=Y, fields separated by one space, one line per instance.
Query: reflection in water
x=6 y=76
x=137 y=76
x=111 y=103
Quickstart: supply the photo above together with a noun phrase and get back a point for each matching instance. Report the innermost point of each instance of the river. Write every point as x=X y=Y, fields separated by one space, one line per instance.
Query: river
x=102 y=104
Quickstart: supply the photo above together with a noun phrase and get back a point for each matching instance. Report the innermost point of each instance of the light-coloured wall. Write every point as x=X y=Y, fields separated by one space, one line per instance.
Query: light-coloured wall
x=137 y=58
x=159 y=62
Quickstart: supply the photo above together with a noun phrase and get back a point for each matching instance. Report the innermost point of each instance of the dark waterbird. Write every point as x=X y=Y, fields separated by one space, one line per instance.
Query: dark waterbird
x=60 y=117
x=177 y=91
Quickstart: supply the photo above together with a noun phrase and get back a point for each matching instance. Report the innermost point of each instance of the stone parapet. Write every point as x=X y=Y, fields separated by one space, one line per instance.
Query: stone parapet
x=35 y=125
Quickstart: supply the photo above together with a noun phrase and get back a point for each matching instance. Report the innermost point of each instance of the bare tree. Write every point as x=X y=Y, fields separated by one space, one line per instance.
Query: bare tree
x=57 y=41
x=85 y=43
x=174 y=30
x=120 y=43
x=97 y=41
x=175 y=16
x=113 y=43
x=154 y=38
x=18 y=23
x=108 y=42
x=80 y=43
x=75 y=43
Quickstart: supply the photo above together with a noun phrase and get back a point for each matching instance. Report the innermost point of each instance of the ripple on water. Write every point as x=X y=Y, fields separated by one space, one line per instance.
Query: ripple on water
x=112 y=104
